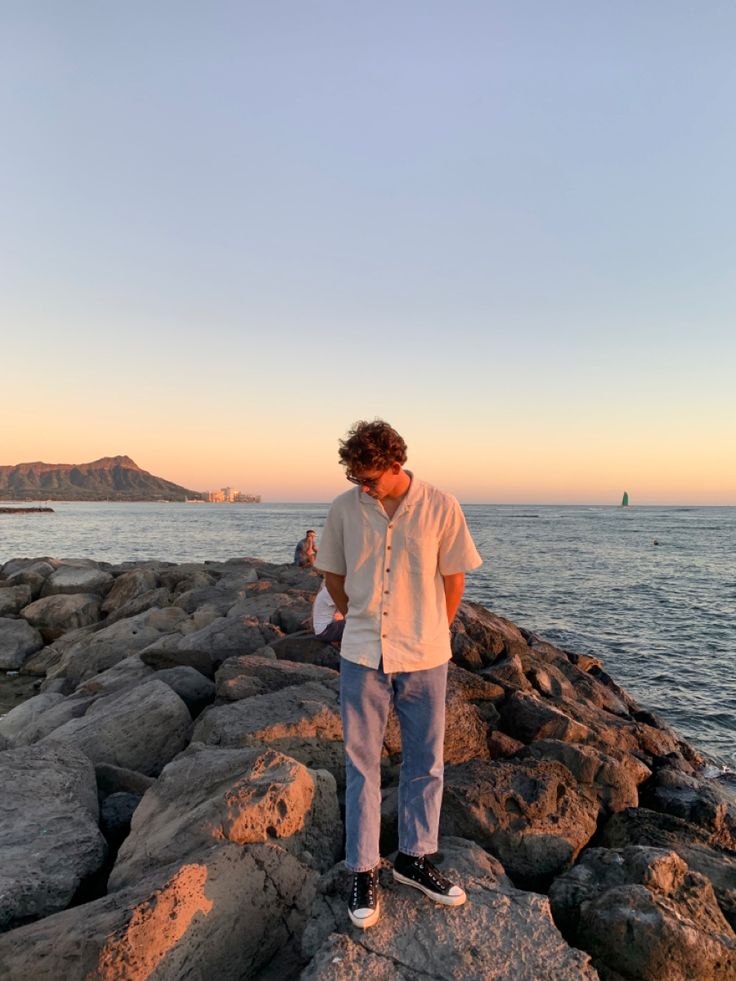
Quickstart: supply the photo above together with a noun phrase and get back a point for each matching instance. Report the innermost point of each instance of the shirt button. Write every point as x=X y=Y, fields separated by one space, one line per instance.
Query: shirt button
x=385 y=592
x=384 y=635
x=388 y=547
x=385 y=613
x=388 y=570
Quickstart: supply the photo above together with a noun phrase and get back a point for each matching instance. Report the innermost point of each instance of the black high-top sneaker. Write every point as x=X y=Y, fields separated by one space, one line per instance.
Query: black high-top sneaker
x=363 y=906
x=422 y=875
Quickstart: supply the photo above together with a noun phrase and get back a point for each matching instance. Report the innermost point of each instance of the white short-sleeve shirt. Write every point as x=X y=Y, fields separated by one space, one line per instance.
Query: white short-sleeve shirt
x=393 y=570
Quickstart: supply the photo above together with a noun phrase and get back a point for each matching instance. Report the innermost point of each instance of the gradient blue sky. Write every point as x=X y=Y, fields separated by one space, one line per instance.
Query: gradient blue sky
x=228 y=230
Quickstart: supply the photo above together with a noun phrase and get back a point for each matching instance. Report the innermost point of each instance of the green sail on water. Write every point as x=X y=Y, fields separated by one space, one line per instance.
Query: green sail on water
x=625 y=500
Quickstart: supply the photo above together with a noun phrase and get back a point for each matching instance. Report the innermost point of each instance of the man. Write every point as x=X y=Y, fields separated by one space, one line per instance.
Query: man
x=306 y=551
x=327 y=621
x=394 y=553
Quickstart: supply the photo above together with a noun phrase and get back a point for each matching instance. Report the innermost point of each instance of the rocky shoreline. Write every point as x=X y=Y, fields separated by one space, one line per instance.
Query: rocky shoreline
x=172 y=797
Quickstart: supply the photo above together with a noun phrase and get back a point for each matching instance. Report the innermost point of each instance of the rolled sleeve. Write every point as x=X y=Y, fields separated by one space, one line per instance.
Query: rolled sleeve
x=457 y=553
x=332 y=545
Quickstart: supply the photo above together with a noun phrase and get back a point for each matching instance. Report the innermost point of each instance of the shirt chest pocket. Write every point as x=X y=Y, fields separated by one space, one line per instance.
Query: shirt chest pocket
x=420 y=552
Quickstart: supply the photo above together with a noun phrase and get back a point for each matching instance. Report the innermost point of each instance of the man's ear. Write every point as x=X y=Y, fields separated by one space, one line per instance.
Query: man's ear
x=395 y=468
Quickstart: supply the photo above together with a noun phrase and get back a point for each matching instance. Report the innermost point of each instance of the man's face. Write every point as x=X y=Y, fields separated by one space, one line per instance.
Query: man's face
x=377 y=484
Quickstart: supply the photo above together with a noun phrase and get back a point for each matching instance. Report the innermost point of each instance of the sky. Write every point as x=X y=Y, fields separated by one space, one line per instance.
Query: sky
x=230 y=230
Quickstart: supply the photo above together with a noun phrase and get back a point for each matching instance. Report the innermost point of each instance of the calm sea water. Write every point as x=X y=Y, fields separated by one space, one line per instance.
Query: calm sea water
x=652 y=591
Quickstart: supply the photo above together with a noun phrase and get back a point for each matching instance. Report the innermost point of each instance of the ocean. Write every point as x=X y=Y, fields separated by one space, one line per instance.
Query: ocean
x=650 y=590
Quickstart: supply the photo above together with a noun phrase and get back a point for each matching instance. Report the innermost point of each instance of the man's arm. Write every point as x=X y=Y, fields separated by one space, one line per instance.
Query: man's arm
x=454 y=588
x=336 y=588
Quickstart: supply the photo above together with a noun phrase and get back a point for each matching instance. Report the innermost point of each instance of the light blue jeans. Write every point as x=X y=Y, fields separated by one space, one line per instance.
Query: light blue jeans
x=419 y=698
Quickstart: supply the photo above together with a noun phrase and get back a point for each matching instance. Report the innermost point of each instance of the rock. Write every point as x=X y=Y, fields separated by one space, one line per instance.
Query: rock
x=45 y=721
x=305 y=647
x=700 y=802
x=101 y=650
x=527 y=717
x=508 y=673
x=226 y=917
x=128 y=586
x=302 y=721
x=293 y=617
x=209 y=796
x=12 y=566
x=141 y=728
x=160 y=657
x=261 y=605
x=128 y=673
x=18 y=640
x=156 y=597
x=32 y=574
x=13 y=599
x=477 y=690
x=24 y=715
x=643 y=914
x=479 y=637
x=500 y=932
x=77 y=579
x=242 y=677
x=614 y=779
x=501 y=746
x=196 y=691
x=118 y=780
x=530 y=814
x=54 y=615
x=49 y=839
x=116 y=813
x=693 y=844
x=219 y=598
x=229 y=637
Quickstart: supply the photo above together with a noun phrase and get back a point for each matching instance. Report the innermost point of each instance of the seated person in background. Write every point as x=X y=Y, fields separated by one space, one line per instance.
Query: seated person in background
x=306 y=551
x=327 y=620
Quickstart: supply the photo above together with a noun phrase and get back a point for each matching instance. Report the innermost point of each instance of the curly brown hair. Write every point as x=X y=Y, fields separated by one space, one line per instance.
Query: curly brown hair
x=371 y=446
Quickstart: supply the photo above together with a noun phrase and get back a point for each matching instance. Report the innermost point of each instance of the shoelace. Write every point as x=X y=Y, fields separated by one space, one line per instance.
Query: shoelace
x=368 y=885
x=434 y=874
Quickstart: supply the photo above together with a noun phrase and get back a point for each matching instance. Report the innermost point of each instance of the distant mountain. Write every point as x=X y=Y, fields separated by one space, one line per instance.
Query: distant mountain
x=113 y=478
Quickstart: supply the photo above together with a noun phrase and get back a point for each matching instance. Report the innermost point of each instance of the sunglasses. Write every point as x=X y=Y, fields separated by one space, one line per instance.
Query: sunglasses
x=370 y=482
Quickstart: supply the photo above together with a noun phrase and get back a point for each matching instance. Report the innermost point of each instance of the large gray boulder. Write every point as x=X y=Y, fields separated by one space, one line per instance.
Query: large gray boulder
x=230 y=915
x=77 y=579
x=245 y=796
x=142 y=728
x=13 y=599
x=694 y=845
x=254 y=674
x=99 y=651
x=24 y=715
x=196 y=691
x=49 y=839
x=531 y=814
x=30 y=572
x=613 y=777
x=55 y=615
x=480 y=637
x=128 y=586
x=18 y=640
x=230 y=636
x=500 y=933
x=701 y=802
x=302 y=721
x=643 y=914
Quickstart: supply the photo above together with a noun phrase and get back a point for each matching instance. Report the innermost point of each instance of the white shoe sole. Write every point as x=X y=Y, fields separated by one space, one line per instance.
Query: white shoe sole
x=363 y=922
x=444 y=900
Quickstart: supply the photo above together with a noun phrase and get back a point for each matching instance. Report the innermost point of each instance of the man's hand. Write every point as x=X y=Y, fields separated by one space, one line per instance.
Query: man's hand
x=336 y=588
x=454 y=589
